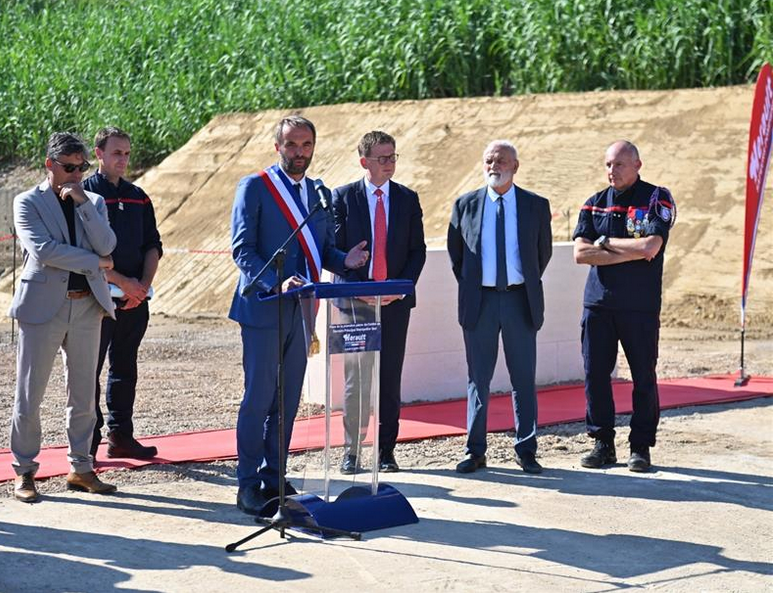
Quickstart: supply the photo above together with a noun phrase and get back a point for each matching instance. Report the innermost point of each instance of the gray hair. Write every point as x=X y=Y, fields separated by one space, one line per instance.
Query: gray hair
x=64 y=144
x=506 y=144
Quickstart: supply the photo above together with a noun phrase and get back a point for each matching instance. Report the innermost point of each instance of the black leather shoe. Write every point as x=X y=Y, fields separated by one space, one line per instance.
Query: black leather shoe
x=125 y=445
x=387 y=463
x=471 y=463
x=249 y=500
x=528 y=463
x=603 y=454
x=639 y=461
x=269 y=492
x=350 y=465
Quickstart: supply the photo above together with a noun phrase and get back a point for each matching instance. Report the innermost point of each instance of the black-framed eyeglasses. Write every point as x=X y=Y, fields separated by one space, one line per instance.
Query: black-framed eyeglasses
x=69 y=167
x=383 y=160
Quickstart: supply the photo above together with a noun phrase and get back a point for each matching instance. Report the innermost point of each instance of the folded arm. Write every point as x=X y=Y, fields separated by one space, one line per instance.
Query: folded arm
x=616 y=250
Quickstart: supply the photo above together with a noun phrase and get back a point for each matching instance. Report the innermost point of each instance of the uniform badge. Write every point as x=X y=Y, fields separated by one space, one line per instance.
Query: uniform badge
x=120 y=205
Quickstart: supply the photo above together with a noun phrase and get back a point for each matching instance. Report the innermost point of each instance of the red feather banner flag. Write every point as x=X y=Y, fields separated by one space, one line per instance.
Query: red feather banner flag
x=760 y=131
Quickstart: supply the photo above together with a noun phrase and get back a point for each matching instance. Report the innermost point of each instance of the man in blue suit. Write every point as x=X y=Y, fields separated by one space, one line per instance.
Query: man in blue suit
x=500 y=243
x=388 y=217
x=268 y=206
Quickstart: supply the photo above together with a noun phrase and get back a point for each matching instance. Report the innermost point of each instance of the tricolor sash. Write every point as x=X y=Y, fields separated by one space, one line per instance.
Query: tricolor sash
x=280 y=189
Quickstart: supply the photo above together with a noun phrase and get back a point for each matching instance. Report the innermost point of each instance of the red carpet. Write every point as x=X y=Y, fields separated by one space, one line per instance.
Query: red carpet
x=556 y=405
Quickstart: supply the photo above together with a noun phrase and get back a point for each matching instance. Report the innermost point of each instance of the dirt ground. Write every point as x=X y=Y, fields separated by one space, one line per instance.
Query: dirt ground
x=701 y=521
x=191 y=380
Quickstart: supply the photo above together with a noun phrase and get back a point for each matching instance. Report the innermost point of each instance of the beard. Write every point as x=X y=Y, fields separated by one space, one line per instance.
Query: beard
x=497 y=179
x=289 y=165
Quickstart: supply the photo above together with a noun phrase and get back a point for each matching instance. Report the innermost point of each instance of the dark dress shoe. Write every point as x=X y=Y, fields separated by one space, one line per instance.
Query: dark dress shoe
x=471 y=463
x=603 y=454
x=125 y=445
x=350 y=465
x=528 y=463
x=24 y=488
x=269 y=492
x=387 y=463
x=639 y=461
x=88 y=482
x=249 y=500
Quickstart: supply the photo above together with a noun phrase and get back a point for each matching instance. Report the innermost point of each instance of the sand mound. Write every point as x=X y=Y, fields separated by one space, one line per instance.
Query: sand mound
x=692 y=141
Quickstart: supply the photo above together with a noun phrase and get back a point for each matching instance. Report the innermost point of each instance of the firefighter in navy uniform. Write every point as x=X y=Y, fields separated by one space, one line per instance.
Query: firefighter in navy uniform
x=622 y=233
x=136 y=256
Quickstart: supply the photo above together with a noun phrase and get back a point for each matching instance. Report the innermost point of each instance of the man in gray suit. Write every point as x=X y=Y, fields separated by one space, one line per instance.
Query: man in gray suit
x=60 y=303
x=500 y=242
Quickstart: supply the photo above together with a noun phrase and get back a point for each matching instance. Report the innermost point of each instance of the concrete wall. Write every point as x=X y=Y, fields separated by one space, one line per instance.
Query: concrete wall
x=435 y=366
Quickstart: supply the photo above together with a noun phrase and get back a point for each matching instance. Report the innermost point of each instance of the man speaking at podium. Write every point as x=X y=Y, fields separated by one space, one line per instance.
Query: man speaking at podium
x=268 y=206
x=388 y=217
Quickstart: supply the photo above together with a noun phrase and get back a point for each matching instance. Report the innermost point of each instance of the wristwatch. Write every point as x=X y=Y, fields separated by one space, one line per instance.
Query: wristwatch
x=601 y=241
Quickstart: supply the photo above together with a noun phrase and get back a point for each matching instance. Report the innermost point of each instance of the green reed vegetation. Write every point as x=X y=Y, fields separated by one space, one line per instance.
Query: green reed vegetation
x=162 y=68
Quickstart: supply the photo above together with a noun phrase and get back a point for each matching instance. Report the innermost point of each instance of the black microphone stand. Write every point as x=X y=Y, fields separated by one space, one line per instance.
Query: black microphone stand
x=282 y=519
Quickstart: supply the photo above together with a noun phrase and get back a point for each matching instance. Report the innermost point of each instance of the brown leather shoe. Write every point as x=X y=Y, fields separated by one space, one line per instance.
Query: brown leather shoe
x=88 y=482
x=24 y=488
x=125 y=445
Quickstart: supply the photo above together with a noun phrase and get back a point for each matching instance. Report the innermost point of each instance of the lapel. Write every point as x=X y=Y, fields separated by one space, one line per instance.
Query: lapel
x=476 y=218
x=360 y=203
x=311 y=201
x=522 y=210
x=311 y=195
x=394 y=216
x=54 y=210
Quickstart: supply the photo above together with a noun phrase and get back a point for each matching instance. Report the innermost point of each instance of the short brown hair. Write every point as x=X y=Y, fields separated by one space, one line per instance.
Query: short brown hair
x=101 y=138
x=294 y=121
x=373 y=138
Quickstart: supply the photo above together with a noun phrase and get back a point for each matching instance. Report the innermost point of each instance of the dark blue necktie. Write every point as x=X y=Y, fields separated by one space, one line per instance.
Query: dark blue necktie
x=501 y=257
x=300 y=265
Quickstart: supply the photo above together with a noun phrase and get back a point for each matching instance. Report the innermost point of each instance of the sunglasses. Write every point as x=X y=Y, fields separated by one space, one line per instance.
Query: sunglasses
x=69 y=167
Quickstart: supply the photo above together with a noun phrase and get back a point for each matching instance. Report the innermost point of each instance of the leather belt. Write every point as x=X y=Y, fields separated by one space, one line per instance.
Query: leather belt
x=78 y=294
x=510 y=288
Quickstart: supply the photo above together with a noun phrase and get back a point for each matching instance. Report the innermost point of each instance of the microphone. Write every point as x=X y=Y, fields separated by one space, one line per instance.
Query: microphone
x=323 y=194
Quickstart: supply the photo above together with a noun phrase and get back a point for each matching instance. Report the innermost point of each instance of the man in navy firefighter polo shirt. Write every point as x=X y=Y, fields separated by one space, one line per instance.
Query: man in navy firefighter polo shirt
x=622 y=233
x=136 y=260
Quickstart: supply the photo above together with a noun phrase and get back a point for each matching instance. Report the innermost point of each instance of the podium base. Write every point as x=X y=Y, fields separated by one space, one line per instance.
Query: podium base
x=356 y=509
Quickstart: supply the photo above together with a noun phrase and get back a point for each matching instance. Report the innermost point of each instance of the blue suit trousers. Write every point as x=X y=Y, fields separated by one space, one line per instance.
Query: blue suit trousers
x=257 y=427
x=506 y=313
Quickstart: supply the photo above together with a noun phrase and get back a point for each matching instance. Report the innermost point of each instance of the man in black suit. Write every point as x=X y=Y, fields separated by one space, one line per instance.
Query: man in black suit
x=388 y=216
x=500 y=242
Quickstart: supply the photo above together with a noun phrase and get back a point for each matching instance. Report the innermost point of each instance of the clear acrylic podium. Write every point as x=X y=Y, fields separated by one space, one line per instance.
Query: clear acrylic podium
x=352 y=502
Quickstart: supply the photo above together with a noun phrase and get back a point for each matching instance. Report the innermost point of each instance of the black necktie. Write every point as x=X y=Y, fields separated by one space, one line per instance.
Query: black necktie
x=501 y=258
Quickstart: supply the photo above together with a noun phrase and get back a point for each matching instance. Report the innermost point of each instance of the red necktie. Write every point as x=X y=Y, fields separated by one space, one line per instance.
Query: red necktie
x=379 y=239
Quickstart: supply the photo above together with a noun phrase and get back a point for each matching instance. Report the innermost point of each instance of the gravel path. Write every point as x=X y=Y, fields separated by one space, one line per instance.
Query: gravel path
x=190 y=380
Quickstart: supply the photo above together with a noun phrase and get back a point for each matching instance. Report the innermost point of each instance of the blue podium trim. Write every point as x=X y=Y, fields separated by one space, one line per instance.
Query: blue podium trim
x=337 y=290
